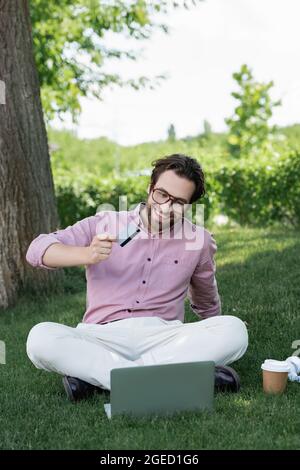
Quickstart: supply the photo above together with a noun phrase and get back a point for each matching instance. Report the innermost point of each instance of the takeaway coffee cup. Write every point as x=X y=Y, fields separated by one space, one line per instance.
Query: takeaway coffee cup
x=275 y=374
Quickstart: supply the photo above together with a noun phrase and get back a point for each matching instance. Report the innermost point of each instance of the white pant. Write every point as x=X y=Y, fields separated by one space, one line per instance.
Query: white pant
x=91 y=351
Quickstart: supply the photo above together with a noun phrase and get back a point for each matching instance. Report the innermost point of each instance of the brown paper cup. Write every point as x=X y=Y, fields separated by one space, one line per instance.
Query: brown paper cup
x=274 y=382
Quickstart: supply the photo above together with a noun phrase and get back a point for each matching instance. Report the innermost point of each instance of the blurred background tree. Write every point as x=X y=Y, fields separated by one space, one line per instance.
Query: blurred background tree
x=207 y=130
x=249 y=130
x=171 y=133
x=51 y=54
x=70 y=51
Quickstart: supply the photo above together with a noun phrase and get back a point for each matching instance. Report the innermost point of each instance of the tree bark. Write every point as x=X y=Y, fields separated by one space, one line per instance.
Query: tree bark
x=27 y=199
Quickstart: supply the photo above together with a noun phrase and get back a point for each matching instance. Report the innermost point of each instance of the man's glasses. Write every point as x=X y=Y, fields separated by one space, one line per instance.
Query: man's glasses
x=161 y=197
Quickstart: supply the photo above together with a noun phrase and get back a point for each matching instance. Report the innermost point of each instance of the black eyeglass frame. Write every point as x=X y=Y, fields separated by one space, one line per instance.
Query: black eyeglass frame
x=170 y=197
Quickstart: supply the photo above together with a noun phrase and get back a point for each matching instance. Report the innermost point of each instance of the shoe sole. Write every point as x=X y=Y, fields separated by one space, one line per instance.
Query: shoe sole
x=67 y=388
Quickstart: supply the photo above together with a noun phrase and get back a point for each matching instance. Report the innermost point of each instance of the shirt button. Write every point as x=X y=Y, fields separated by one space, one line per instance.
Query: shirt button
x=149 y=259
x=176 y=261
x=137 y=301
x=144 y=282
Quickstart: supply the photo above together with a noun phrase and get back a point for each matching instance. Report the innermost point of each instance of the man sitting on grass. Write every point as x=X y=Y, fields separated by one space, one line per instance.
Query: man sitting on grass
x=135 y=293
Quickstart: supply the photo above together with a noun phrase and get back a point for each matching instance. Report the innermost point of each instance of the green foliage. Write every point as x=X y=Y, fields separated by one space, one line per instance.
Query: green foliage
x=82 y=197
x=249 y=131
x=261 y=194
x=102 y=156
x=69 y=50
x=70 y=154
x=205 y=137
x=292 y=136
x=253 y=191
x=207 y=129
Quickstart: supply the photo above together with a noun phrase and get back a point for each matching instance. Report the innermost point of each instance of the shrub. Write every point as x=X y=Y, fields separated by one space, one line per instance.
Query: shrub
x=263 y=193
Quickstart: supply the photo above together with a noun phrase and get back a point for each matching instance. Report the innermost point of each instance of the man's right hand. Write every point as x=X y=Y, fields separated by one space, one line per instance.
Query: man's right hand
x=100 y=248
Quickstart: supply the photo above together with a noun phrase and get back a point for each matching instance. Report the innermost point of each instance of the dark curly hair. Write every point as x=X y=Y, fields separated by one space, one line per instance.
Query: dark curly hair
x=183 y=165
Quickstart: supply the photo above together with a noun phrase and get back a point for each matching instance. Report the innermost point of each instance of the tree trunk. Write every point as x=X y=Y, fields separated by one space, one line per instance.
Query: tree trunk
x=27 y=200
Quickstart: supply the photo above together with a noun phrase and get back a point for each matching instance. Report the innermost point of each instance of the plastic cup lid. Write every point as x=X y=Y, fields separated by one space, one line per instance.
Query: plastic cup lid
x=276 y=366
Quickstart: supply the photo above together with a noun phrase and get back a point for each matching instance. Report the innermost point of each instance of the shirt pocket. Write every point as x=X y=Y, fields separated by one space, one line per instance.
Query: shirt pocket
x=173 y=272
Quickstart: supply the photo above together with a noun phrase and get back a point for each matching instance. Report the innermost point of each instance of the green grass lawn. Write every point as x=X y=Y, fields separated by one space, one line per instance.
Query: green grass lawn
x=259 y=281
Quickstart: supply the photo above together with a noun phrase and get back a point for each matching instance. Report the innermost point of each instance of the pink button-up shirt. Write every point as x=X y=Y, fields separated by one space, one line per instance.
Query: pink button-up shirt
x=149 y=276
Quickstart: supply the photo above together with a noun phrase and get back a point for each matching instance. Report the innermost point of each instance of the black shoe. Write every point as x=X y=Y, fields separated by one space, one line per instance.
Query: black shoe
x=226 y=379
x=78 y=389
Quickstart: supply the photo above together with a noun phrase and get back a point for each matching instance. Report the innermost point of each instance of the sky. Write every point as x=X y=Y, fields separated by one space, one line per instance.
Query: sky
x=205 y=46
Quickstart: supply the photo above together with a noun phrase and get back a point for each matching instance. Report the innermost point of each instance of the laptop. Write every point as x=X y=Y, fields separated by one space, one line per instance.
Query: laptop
x=161 y=389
